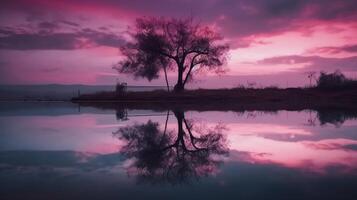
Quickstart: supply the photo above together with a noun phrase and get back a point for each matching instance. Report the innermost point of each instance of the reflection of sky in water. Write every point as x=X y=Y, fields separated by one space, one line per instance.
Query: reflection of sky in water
x=268 y=151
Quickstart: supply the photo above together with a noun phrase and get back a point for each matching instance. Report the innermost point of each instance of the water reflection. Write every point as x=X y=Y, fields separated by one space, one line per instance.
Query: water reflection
x=56 y=152
x=172 y=156
x=336 y=117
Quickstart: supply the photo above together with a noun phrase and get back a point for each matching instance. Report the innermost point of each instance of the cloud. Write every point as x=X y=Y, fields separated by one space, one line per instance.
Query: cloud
x=46 y=38
x=48 y=25
x=234 y=17
x=103 y=38
x=314 y=63
x=336 y=49
x=70 y=23
x=332 y=146
x=34 y=41
x=352 y=147
x=51 y=69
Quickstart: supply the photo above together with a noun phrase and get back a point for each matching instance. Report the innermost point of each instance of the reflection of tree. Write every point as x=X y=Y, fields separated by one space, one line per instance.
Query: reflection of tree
x=311 y=121
x=330 y=116
x=121 y=114
x=159 y=156
x=336 y=117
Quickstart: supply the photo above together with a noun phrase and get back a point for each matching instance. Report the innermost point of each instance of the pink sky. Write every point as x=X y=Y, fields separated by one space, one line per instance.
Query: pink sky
x=272 y=42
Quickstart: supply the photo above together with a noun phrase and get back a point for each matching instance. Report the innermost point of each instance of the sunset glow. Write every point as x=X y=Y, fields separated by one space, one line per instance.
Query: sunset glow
x=273 y=43
x=178 y=99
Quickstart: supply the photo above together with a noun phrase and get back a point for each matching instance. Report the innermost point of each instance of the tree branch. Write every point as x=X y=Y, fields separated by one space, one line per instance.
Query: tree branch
x=192 y=137
x=192 y=65
x=167 y=55
x=167 y=81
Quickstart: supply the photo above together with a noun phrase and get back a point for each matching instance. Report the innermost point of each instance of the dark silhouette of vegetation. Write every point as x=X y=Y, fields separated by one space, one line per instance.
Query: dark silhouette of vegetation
x=180 y=45
x=312 y=77
x=332 y=91
x=335 y=116
x=232 y=99
x=121 y=114
x=159 y=156
x=334 y=80
x=121 y=88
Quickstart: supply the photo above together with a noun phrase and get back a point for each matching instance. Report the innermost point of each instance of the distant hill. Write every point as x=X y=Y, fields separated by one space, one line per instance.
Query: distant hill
x=59 y=92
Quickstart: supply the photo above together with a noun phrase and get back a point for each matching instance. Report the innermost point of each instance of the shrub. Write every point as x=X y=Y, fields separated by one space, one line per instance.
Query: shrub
x=332 y=80
x=335 y=80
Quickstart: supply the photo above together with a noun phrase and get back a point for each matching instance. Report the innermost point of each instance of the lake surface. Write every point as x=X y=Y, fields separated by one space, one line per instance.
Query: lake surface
x=62 y=151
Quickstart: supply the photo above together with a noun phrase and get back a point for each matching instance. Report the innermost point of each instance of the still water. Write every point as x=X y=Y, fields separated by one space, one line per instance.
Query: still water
x=62 y=151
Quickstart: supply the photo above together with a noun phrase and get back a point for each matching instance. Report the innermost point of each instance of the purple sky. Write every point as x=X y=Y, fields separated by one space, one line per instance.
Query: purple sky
x=272 y=42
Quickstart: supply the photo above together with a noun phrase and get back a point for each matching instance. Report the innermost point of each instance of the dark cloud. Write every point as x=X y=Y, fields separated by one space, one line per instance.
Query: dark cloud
x=273 y=17
x=333 y=146
x=48 y=25
x=244 y=18
x=103 y=38
x=50 y=69
x=314 y=63
x=30 y=41
x=282 y=7
x=46 y=39
x=352 y=147
x=237 y=18
x=335 y=50
x=69 y=23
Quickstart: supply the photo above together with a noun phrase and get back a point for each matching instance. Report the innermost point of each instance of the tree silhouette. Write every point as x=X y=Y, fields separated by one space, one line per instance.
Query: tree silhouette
x=311 y=76
x=172 y=44
x=165 y=156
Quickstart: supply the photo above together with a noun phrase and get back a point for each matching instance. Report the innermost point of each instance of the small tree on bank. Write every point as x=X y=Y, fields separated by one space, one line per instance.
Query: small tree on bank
x=159 y=44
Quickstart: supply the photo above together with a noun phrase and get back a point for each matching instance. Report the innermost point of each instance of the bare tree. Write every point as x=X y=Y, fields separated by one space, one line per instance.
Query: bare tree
x=179 y=45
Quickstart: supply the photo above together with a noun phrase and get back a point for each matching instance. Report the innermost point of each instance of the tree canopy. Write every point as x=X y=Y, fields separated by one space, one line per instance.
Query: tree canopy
x=180 y=45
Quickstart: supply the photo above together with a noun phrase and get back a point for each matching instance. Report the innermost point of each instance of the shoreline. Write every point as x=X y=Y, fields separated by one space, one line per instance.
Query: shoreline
x=228 y=99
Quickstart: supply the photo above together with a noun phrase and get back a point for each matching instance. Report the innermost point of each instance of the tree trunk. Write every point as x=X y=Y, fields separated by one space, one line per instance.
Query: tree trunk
x=181 y=133
x=179 y=116
x=167 y=81
x=179 y=87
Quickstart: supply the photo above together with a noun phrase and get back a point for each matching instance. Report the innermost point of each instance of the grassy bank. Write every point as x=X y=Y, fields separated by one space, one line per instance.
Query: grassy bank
x=230 y=99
